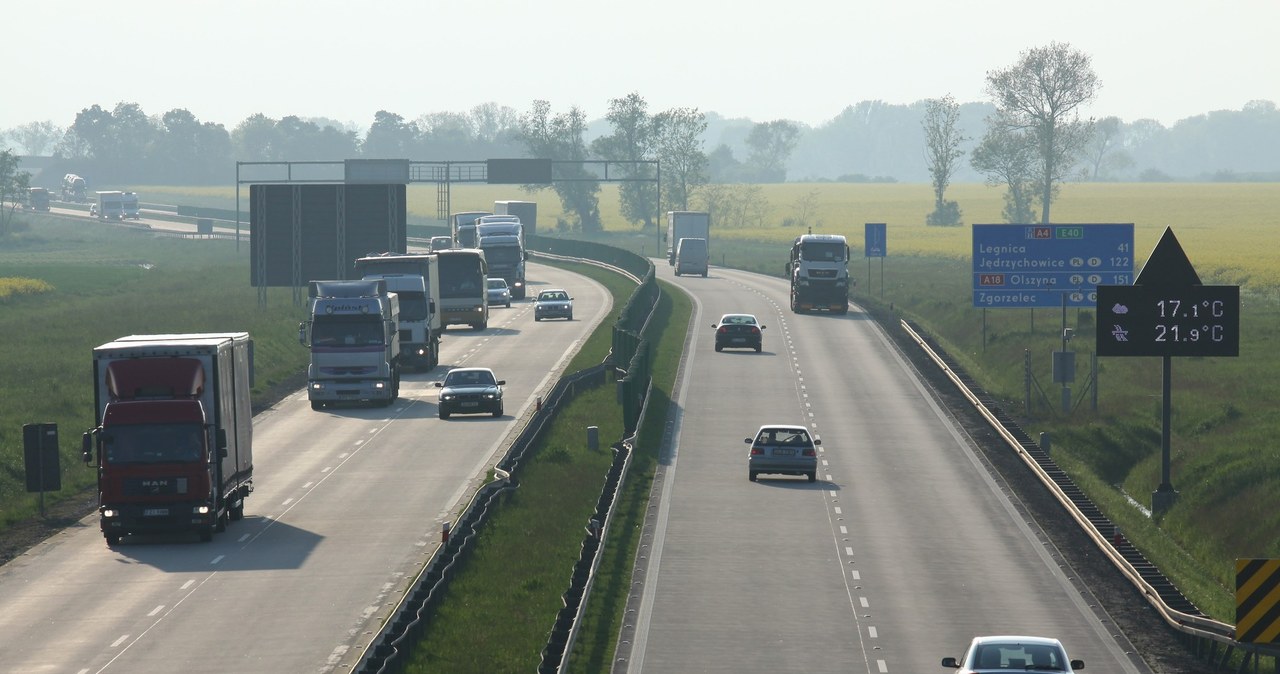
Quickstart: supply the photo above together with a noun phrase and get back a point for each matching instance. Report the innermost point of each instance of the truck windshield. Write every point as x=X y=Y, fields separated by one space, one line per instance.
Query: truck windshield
x=822 y=252
x=346 y=331
x=413 y=306
x=153 y=443
x=502 y=254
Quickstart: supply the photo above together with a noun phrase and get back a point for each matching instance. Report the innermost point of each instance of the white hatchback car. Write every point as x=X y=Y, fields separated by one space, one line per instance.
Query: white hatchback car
x=1014 y=655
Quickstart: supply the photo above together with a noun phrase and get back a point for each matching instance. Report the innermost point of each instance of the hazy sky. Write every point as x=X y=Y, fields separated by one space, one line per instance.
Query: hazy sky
x=803 y=60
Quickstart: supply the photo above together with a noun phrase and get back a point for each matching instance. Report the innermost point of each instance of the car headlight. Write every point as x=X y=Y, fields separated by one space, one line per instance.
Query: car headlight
x=447 y=396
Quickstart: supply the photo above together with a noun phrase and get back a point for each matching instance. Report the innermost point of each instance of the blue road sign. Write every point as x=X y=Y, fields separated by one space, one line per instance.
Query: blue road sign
x=1020 y=266
x=874 y=235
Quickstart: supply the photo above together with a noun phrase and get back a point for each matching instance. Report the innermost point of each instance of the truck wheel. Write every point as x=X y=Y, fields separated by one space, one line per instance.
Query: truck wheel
x=112 y=540
x=237 y=511
x=220 y=524
x=206 y=534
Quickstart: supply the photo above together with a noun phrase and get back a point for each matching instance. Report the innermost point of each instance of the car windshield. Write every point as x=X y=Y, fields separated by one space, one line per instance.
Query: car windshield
x=553 y=296
x=783 y=436
x=469 y=378
x=1019 y=656
x=497 y=284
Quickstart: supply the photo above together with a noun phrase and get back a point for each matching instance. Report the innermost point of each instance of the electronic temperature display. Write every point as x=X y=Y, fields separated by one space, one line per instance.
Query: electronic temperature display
x=1168 y=321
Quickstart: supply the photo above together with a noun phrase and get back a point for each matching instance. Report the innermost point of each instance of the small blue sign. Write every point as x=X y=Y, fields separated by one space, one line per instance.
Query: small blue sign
x=1023 y=266
x=875 y=239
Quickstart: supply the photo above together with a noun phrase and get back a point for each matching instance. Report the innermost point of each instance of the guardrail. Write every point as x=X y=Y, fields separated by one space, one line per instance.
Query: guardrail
x=408 y=623
x=1209 y=636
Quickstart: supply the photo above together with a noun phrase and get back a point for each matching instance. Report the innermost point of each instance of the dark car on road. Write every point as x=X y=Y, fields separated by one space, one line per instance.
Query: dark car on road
x=470 y=390
x=738 y=331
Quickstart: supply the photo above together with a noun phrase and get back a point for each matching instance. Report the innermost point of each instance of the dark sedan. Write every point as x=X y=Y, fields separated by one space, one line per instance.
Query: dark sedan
x=470 y=390
x=738 y=331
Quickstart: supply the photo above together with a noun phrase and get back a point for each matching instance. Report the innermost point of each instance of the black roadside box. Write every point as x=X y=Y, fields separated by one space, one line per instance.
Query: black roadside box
x=40 y=449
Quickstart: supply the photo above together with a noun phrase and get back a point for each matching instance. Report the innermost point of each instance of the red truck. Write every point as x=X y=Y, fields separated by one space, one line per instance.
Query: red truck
x=173 y=443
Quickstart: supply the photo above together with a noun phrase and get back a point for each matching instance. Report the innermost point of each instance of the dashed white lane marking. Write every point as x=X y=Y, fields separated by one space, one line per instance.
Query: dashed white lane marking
x=871 y=632
x=217 y=559
x=156 y=610
x=119 y=641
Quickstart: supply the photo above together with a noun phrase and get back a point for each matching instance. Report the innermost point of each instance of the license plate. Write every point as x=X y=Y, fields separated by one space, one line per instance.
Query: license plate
x=784 y=451
x=155 y=512
x=739 y=339
x=470 y=404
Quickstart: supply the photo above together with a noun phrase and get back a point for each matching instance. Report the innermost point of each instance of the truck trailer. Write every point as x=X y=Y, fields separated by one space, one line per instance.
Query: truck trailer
x=686 y=225
x=415 y=279
x=108 y=205
x=527 y=211
x=353 y=331
x=464 y=228
x=173 y=443
x=819 y=273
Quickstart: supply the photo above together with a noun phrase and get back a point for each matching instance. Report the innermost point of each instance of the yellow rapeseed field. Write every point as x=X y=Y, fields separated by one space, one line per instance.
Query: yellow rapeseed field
x=12 y=286
x=1229 y=231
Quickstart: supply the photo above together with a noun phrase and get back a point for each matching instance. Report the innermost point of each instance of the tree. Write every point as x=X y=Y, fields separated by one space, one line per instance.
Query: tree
x=634 y=139
x=1008 y=156
x=680 y=155
x=1104 y=151
x=36 y=138
x=13 y=189
x=1040 y=95
x=254 y=138
x=769 y=145
x=389 y=137
x=942 y=138
x=560 y=137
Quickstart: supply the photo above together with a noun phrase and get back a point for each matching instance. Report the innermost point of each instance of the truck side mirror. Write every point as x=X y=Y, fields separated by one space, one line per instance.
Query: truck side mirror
x=302 y=333
x=86 y=447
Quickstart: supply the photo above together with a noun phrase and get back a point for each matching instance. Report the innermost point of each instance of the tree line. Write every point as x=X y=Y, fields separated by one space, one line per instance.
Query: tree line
x=1030 y=137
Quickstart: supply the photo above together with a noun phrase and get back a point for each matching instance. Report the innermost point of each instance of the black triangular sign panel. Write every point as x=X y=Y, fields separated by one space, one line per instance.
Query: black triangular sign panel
x=1168 y=265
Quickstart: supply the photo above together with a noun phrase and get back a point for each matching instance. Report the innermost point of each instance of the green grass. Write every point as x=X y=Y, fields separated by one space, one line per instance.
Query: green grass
x=497 y=610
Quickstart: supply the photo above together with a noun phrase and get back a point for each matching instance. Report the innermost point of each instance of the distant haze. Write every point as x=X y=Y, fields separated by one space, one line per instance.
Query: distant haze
x=803 y=60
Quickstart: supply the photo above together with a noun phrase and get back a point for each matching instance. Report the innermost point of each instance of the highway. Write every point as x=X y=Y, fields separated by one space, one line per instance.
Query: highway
x=904 y=549
x=349 y=505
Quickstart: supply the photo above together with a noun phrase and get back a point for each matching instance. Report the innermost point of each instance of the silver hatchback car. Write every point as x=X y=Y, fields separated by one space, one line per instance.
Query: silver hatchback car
x=783 y=449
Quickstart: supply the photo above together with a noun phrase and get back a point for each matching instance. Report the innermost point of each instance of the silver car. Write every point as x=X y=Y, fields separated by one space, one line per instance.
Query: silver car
x=553 y=303
x=783 y=449
x=499 y=292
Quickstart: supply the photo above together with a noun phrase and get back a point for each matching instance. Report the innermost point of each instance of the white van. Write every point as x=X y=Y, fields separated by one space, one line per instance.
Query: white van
x=691 y=257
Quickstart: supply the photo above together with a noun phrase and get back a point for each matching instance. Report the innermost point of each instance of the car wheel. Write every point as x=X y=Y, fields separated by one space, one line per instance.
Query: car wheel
x=570 y=316
x=498 y=412
x=206 y=534
x=719 y=348
x=758 y=347
x=813 y=476
x=537 y=317
x=751 y=475
x=112 y=540
x=317 y=405
x=508 y=305
x=443 y=413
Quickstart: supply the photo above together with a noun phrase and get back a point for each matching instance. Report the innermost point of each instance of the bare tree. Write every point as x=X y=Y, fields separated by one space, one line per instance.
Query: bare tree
x=942 y=138
x=1040 y=95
